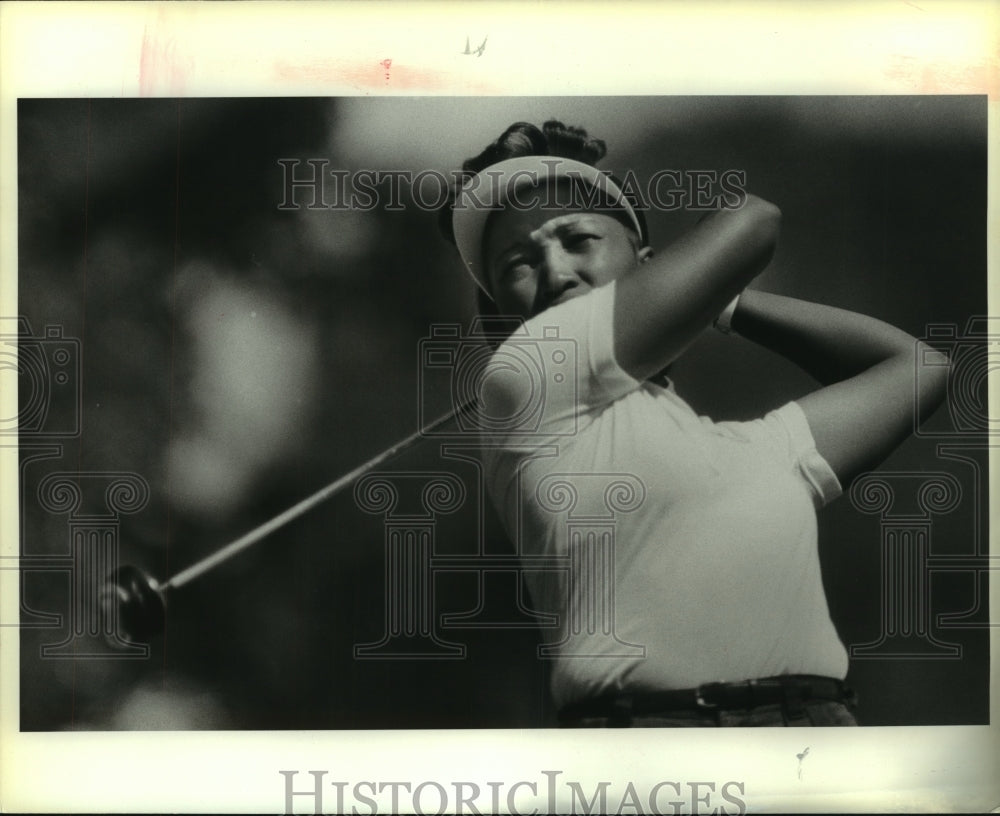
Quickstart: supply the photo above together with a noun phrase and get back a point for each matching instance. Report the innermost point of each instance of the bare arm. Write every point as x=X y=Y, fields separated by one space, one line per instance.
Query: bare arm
x=662 y=306
x=868 y=368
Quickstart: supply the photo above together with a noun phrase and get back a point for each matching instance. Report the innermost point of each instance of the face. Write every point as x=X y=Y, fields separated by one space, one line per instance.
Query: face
x=539 y=257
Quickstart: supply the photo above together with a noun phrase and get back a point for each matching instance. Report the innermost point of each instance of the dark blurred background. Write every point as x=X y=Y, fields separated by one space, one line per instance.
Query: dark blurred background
x=238 y=356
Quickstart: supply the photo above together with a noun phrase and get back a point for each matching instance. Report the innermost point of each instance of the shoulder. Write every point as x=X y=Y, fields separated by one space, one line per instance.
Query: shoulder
x=557 y=364
x=534 y=365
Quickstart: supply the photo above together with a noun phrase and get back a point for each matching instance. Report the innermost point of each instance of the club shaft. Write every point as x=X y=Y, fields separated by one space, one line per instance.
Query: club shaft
x=253 y=536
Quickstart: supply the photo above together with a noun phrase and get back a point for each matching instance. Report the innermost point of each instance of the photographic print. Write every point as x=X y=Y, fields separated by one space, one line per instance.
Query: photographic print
x=490 y=418
x=228 y=303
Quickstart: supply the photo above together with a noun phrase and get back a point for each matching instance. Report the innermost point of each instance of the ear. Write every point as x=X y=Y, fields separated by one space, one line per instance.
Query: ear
x=645 y=254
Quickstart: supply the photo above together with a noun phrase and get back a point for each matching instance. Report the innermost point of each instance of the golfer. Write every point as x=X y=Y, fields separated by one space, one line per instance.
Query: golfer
x=715 y=577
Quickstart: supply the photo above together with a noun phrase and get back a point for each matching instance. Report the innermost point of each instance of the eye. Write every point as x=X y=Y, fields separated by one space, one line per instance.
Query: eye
x=516 y=269
x=580 y=240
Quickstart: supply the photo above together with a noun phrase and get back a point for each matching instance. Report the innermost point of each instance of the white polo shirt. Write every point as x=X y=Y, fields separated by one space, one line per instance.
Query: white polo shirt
x=685 y=550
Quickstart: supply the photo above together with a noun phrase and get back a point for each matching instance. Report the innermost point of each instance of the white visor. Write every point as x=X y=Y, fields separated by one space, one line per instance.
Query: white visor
x=492 y=188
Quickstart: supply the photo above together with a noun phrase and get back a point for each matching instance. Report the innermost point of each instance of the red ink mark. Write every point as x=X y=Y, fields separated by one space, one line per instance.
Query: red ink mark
x=332 y=71
x=943 y=77
x=161 y=68
x=386 y=63
x=145 y=63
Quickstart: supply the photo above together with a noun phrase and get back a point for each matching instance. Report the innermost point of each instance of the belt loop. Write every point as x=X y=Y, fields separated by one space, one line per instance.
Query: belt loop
x=792 y=699
x=621 y=712
x=850 y=696
x=706 y=696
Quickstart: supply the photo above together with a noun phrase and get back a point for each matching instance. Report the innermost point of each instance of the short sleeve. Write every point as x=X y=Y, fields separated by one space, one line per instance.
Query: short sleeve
x=784 y=433
x=557 y=367
x=810 y=462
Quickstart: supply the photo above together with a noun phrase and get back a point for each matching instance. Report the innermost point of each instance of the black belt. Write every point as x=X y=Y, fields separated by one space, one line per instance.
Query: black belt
x=781 y=690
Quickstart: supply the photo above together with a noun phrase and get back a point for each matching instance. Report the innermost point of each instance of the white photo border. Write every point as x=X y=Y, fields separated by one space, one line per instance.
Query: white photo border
x=333 y=49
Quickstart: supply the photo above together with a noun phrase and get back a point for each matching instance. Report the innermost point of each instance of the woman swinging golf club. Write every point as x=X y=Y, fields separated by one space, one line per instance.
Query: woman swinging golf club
x=716 y=575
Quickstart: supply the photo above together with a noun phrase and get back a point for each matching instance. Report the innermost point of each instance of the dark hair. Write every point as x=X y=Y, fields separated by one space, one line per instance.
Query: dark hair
x=524 y=139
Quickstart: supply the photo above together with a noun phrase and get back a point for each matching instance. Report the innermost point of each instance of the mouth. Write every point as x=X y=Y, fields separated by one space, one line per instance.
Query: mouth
x=569 y=294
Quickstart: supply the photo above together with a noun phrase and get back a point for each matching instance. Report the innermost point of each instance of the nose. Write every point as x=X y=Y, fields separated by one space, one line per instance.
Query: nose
x=558 y=272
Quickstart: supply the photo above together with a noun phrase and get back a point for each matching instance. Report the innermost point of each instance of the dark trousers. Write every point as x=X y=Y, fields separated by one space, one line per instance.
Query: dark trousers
x=802 y=714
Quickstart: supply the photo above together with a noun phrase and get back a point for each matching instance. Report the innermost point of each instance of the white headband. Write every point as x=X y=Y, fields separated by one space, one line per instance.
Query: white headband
x=492 y=188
